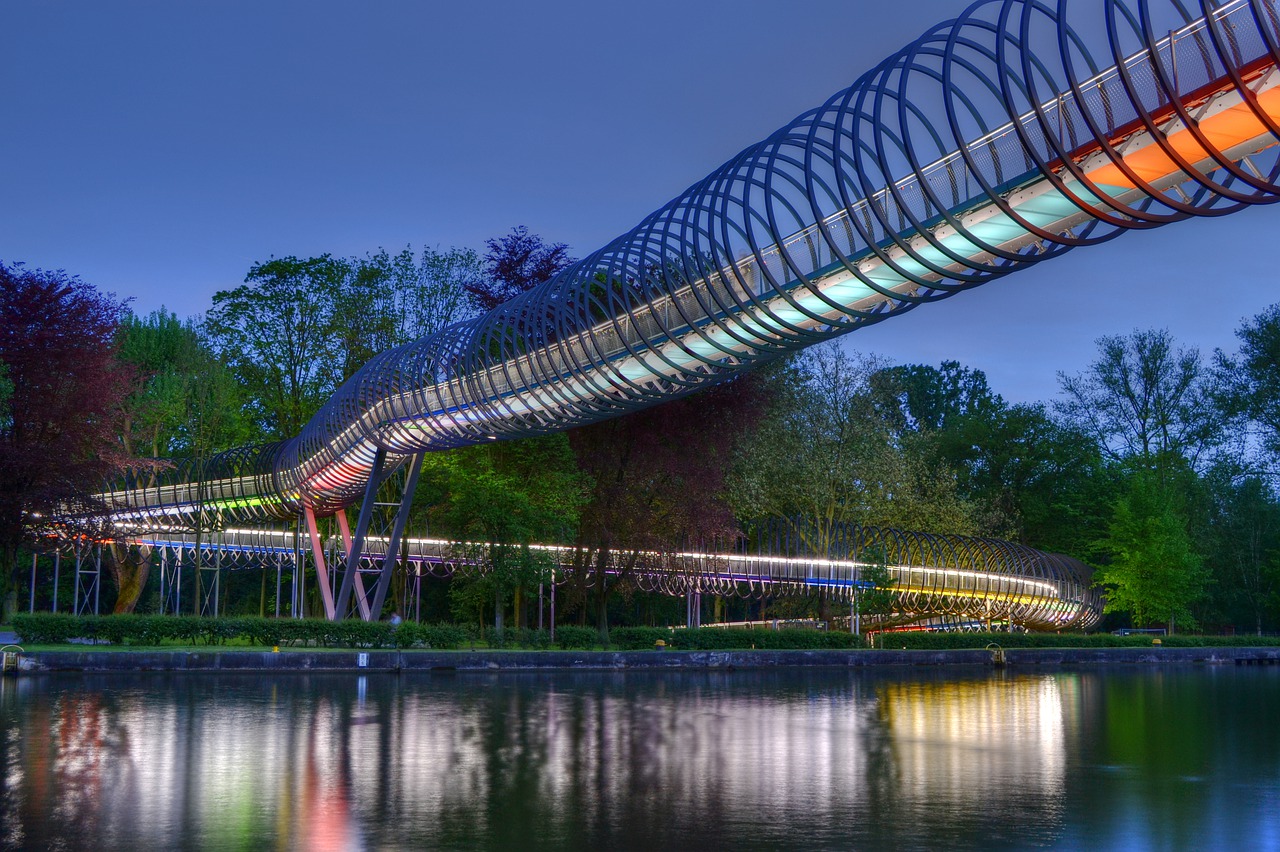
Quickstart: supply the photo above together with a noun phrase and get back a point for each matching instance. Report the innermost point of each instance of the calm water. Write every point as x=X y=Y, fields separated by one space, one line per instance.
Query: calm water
x=804 y=759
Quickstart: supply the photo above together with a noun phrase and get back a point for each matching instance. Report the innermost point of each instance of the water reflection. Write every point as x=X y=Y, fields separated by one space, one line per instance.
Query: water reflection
x=801 y=759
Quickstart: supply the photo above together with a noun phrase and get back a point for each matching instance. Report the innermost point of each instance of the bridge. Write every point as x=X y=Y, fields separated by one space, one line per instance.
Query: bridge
x=976 y=580
x=995 y=142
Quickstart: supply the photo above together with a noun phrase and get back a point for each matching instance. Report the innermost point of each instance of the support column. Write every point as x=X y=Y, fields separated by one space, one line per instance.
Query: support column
x=87 y=583
x=322 y=572
x=57 y=568
x=343 y=604
x=393 y=546
x=362 y=597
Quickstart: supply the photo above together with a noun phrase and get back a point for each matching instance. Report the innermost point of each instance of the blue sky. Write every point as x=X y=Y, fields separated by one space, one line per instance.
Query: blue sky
x=158 y=149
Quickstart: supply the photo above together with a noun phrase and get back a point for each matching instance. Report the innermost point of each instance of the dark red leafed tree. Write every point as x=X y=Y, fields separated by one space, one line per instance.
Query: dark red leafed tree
x=657 y=480
x=59 y=425
x=515 y=263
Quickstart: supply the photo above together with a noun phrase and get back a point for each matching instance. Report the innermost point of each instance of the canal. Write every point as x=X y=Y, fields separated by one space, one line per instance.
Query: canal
x=1099 y=758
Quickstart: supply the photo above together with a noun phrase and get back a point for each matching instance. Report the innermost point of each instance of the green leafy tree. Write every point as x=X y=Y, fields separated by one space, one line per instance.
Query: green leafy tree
x=1248 y=384
x=1244 y=549
x=276 y=333
x=830 y=453
x=186 y=403
x=1153 y=571
x=500 y=498
x=876 y=598
x=421 y=293
x=1144 y=398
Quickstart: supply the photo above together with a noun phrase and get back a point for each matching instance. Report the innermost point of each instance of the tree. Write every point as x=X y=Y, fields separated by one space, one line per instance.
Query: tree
x=501 y=498
x=276 y=333
x=421 y=294
x=876 y=596
x=66 y=387
x=935 y=399
x=1143 y=398
x=657 y=481
x=1153 y=571
x=1244 y=555
x=186 y=403
x=515 y=263
x=829 y=452
x=1249 y=384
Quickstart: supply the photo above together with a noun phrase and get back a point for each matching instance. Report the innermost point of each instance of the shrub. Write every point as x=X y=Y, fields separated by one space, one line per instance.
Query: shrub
x=434 y=636
x=738 y=638
x=572 y=636
x=638 y=638
x=46 y=628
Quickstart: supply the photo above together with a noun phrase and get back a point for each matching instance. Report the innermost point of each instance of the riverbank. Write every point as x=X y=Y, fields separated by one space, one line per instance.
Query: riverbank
x=524 y=661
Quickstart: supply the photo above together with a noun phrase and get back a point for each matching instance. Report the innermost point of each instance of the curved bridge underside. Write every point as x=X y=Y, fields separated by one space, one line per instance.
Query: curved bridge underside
x=995 y=142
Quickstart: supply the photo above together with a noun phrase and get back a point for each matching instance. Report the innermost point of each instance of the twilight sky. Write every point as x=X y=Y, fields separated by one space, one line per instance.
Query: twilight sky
x=157 y=149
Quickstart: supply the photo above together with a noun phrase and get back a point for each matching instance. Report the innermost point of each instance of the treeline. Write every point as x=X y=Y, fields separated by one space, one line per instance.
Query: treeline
x=1155 y=464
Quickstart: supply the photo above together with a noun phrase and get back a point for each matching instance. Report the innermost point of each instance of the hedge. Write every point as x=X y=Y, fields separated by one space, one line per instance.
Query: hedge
x=153 y=630
x=730 y=638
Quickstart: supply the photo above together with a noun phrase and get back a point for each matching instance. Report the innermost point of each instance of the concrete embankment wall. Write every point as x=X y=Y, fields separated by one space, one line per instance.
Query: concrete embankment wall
x=523 y=661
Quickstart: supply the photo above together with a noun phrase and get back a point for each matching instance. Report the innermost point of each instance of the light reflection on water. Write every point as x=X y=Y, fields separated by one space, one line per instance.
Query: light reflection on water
x=1172 y=758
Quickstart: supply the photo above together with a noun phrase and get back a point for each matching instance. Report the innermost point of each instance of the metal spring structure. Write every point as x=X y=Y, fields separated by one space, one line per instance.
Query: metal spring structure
x=993 y=143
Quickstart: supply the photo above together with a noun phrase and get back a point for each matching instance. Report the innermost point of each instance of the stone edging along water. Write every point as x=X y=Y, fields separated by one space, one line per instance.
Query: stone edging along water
x=525 y=661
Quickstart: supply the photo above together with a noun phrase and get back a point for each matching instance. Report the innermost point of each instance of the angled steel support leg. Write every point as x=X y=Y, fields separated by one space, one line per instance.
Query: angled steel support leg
x=362 y=529
x=393 y=546
x=362 y=598
x=322 y=572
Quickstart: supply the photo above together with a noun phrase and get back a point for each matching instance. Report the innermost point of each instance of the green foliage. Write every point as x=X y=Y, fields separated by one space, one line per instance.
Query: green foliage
x=878 y=598
x=731 y=638
x=277 y=334
x=638 y=638
x=46 y=628
x=1144 y=399
x=187 y=402
x=830 y=451
x=433 y=636
x=571 y=636
x=1154 y=572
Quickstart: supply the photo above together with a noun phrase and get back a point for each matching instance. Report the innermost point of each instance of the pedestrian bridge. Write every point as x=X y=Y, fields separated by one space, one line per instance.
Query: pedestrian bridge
x=992 y=144
x=974 y=580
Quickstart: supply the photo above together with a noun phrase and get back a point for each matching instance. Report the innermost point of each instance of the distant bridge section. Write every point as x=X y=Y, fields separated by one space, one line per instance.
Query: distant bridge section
x=973 y=579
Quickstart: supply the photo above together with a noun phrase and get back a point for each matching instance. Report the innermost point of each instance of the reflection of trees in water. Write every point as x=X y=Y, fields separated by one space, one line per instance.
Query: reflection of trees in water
x=681 y=759
x=980 y=759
